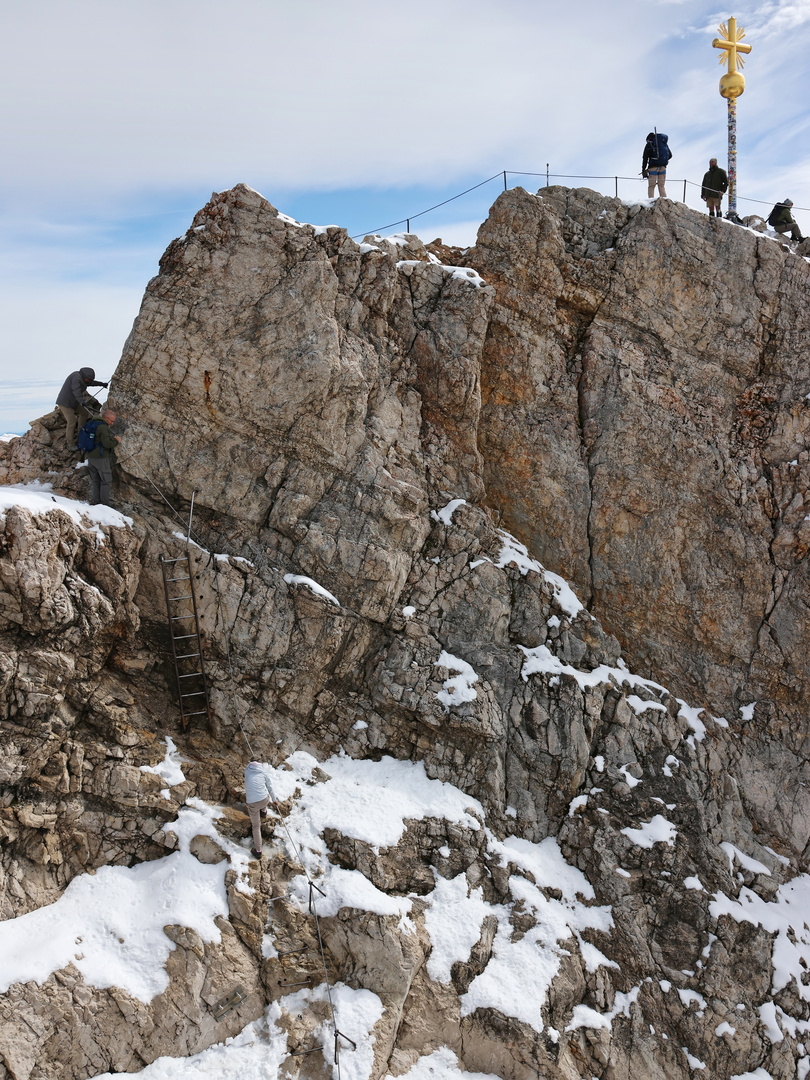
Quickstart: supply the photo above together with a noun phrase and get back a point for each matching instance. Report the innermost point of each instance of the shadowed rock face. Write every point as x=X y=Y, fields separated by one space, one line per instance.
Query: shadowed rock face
x=645 y=426
x=625 y=392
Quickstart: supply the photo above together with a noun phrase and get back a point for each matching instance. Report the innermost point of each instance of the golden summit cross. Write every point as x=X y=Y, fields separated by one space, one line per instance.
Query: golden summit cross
x=732 y=85
x=729 y=45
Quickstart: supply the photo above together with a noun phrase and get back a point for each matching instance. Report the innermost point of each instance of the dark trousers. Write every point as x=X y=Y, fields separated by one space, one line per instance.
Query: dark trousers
x=74 y=419
x=100 y=479
x=795 y=231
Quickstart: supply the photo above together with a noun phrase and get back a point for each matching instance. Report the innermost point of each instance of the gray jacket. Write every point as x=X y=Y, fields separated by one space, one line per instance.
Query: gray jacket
x=257 y=784
x=74 y=390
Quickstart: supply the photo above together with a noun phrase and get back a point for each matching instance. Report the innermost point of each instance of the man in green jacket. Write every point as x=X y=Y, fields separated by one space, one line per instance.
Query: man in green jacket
x=715 y=185
x=782 y=221
x=100 y=459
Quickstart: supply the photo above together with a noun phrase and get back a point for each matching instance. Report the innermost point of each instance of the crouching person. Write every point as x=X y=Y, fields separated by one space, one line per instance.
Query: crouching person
x=258 y=795
x=98 y=444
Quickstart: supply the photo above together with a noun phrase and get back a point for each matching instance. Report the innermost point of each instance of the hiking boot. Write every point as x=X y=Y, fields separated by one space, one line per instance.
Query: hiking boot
x=256 y=852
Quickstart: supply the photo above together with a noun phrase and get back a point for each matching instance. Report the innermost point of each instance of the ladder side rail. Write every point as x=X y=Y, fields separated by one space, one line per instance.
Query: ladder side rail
x=171 y=639
x=199 y=635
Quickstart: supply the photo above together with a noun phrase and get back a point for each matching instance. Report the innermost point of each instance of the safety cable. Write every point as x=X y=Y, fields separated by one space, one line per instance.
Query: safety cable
x=741 y=198
x=412 y=217
x=548 y=175
x=312 y=886
x=313 y=907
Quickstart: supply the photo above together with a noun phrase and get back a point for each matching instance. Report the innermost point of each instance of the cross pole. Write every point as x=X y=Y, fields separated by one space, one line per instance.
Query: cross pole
x=732 y=85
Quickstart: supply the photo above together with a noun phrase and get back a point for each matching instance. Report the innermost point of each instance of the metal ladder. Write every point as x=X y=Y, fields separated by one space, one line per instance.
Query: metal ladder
x=184 y=633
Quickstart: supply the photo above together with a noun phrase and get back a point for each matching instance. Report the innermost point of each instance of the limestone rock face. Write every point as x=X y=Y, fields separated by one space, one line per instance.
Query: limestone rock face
x=312 y=384
x=645 y=427
x=371 y=435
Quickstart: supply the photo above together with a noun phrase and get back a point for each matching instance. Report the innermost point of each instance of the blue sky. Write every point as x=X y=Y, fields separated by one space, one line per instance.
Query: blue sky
x=126 y=116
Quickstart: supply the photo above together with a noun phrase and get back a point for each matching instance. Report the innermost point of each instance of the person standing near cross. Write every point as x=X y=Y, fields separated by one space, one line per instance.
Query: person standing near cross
x=715 y=184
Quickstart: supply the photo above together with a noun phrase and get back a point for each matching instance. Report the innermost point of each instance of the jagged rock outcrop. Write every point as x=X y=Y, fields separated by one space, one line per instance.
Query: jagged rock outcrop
x=623 y=388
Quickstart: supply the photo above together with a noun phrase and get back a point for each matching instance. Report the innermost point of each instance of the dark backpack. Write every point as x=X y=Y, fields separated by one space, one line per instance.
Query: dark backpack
x=660 y=151
x=87 y=437
x=775 y=214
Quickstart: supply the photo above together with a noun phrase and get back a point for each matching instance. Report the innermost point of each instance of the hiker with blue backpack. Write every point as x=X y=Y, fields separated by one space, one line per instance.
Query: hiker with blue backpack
x=97 y=443
x=654 y=163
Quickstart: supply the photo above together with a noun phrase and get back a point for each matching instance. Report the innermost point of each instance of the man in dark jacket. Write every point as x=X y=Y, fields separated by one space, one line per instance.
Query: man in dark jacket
x=71 y=401
x=782 y=220
x=100 y=459
x=715 y=185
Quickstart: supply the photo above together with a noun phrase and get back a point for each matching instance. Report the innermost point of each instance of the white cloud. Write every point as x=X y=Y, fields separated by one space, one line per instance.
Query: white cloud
x=349 y=93
x=51 y=330
x=776 y=18
x=142 y=109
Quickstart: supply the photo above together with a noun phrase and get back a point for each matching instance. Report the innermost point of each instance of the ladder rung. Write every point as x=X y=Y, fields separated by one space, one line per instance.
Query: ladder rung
x=188 y=655
x=185 y=637
x=202 y=712
x=191 y=675
x=197 y=693
x=178 y=559
x=177 y=618
x=168 y=579
x=174 y=599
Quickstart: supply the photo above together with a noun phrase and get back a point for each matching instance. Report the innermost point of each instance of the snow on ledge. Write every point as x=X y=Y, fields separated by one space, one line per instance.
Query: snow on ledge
x=692 y=716
x=584 y=1016
x=457 y=273
x=458 y=689
x=442 y=1064
x=445 y=515
x=219 y=556
x=169 y=769
x=319 y=590
x=656 y=831
x=754 y=866
x=515 y=552
x=38 y=498
x=638 y=705
x=110 y=924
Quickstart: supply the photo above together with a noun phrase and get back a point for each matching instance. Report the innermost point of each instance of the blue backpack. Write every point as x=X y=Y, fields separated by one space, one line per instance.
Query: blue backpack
x=661 y=152
x=87 y=437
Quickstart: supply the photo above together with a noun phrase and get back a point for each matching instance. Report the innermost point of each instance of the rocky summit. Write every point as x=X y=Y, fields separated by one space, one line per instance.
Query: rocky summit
x=500 y=563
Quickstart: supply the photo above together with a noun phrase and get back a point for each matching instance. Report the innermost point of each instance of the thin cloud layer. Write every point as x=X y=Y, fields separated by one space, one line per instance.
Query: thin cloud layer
x=312 y=93
x=124 y=117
